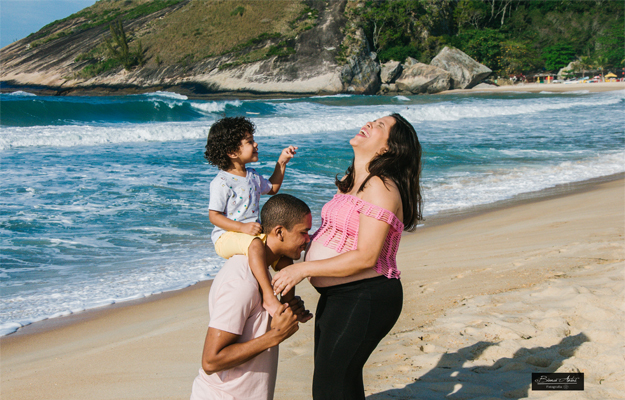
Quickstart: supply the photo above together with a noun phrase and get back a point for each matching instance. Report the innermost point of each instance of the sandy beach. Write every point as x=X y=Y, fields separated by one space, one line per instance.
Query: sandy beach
x=530 y=285
x=544 y=87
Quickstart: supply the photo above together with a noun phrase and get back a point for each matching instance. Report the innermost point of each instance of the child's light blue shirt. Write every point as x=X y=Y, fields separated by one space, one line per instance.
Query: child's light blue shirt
x=236 y=197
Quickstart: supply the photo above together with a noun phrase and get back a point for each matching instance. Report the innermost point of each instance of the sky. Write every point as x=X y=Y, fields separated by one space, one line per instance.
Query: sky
x=20 y=18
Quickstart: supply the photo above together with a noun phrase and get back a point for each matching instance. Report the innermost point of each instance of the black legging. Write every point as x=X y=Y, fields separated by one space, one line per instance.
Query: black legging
x=351 y=320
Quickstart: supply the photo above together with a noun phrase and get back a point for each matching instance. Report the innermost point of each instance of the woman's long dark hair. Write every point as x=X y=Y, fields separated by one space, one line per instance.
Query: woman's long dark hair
x=402 y=165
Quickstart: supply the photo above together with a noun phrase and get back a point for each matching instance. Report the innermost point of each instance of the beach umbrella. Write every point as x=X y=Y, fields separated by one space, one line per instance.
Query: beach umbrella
x=610 y=75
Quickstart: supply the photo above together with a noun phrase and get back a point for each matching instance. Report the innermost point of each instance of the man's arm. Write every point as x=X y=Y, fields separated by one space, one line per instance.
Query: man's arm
x=221 y=351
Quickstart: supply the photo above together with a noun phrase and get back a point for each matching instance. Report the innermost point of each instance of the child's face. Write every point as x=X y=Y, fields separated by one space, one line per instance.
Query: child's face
x=248 y=150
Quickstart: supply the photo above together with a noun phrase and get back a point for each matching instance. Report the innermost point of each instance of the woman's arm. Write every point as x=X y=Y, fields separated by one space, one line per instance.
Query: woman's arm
x=372 y=234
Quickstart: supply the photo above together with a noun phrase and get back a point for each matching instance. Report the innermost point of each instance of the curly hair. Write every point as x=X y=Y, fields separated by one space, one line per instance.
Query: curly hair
x=224 y=137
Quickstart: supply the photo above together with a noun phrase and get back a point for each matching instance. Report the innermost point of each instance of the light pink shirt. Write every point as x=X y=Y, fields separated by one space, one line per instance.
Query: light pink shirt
x=235 y=306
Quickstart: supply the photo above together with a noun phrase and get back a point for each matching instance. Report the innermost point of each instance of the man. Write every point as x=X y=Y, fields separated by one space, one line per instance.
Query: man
x=240 y=357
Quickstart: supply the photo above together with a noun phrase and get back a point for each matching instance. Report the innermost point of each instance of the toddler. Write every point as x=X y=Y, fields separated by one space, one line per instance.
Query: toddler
x=235 y=196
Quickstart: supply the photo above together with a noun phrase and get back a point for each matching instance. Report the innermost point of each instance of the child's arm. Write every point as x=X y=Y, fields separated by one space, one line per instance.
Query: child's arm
x=218 y=219
x=258 y=265
x=278 y=172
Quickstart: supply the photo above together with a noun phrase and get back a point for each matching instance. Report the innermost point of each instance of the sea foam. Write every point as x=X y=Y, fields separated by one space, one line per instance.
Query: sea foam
x=88 y=225
x=293 y=118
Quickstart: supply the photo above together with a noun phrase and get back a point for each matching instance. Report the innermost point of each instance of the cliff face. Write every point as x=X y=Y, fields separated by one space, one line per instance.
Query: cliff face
x=295 y=54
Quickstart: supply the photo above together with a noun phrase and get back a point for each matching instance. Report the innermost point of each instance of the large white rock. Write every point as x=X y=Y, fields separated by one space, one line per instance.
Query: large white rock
x=465 y=71
x=423 y=78
x=409 y=62
x=390 y=71
x=567 y=70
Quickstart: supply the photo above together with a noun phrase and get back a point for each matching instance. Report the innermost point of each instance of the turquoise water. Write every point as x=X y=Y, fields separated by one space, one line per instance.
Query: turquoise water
x=105 y=199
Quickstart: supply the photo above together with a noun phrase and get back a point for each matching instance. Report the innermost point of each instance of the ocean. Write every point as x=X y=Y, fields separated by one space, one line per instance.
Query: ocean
x=104 y=199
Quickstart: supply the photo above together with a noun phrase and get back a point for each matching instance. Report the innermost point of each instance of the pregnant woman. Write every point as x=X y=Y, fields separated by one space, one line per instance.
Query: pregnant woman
x=352 y=257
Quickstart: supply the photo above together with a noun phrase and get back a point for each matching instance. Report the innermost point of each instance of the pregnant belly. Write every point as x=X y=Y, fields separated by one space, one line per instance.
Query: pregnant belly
x=317 y=251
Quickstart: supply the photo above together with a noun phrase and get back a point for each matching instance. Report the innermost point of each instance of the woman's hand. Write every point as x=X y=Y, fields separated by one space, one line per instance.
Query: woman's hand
x=287 y=278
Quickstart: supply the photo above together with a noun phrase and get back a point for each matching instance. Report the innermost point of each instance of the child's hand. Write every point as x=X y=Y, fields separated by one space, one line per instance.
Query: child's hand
x=252 y=228
x=299 y=309
x=287 y=154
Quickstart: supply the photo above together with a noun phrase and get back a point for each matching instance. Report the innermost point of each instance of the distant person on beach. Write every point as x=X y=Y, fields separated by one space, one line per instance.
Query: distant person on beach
x=240 y=357
x=352 y=257
x=234 y=203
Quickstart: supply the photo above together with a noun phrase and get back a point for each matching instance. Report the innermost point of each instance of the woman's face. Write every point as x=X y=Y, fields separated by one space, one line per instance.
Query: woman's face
x=373 y=137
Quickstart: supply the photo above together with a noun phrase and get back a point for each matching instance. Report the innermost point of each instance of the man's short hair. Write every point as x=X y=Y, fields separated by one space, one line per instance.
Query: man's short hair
x=283 y=209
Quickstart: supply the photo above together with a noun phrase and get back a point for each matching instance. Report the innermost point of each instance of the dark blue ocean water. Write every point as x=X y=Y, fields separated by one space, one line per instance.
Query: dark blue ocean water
x=105 y=199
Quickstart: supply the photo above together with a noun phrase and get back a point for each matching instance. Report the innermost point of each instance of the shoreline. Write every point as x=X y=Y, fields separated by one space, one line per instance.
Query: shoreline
x=543 y=87
x=441 y=218
x=103 y=91
x=152 y=349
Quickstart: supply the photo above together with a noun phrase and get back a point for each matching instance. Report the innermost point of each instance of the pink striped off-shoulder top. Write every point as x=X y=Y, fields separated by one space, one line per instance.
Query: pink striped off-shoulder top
x=339 y=229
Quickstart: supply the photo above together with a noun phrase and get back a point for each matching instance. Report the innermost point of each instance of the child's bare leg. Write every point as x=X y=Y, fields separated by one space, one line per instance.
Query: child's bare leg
x=285 y=262
x=256 y=257
x=303 y=315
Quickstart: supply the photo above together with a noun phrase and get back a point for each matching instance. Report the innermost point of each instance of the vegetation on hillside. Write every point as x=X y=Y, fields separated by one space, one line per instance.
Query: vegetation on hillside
x=104 y=12
x=508 y=36
x=246 y=31
x=186 y=32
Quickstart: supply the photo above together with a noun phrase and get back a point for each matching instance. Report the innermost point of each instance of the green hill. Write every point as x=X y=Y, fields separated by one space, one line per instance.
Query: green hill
x=302 y=46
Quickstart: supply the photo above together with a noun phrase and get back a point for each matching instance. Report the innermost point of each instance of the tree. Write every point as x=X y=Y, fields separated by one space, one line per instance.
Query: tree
x=119 y=50
x=483 y=45
x=601 y=62
x=517 y=57
x=558 y=56
x=500 y=7
x=584 y=64
x=470 y=13
x=401 y=28
x=610 y=43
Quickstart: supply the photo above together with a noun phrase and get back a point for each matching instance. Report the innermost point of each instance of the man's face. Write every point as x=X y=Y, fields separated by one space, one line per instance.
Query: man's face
x=297 y=238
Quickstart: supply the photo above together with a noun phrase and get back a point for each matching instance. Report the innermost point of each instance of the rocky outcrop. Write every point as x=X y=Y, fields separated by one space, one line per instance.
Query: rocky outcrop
x=329 y=55
x=410 y=62
x=388 y=88
x=465 y=71
x=423 y=78
x=312 y=69
x=568 y=70
x=390 y=71
x=361 y=74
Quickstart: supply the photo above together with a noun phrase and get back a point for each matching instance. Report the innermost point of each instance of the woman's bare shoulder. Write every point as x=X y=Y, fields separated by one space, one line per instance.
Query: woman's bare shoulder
x=382 y=194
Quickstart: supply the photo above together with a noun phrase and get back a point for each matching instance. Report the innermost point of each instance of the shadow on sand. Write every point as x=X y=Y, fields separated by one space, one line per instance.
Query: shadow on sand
x=507 y=378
